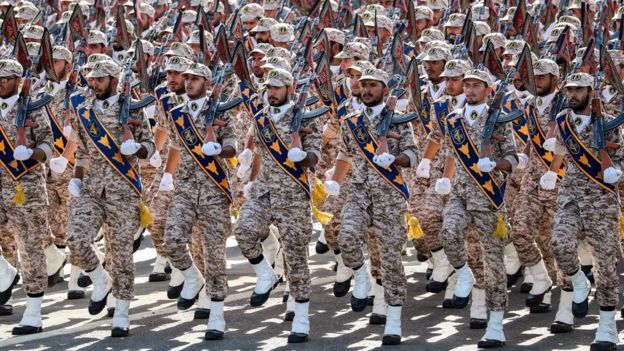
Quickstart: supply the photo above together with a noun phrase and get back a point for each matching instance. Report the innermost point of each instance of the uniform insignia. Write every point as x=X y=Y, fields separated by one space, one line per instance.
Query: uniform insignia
x=369 y=111
x=4 y=106
x=105 y=104
x=539 y=101
x=578 y=121
x=454 y=101
x=194 y=106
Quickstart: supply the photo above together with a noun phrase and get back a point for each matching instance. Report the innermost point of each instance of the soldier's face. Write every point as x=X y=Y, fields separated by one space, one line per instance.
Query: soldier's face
x=61 y=68
x=372 y=92
x=346 y=63
x=96 y=49
x=544 y=84
x=578 y=97
x=256 y=63
x=433 y=68
x=437 y=16
x=9 y=86
x=354 y=82
x=454 y=85
x=104 y=87
x=175 y=82
x=421 y=24
x=195 y=86
x=263 y=37
x=250 y=24
x=277 y=96
x=475 y=90
x=386 y=3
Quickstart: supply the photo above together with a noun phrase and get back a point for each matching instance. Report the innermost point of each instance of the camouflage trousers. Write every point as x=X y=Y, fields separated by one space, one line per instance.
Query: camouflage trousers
x=158 y=203
x=58 y=208
x=122 y=217
x=293 y=220
x=8 y=247
x=26 y=226
x=532 y=228
x=210 y=213
x=474 y=256
x=600 y=224
x=427 y=207
x=381 y=210
x=457 y=220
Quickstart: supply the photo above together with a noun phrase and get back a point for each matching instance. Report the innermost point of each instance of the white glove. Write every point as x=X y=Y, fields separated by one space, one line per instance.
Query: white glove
x=330 y=173
x=486 y=165
x=74 y=186
x=332 y=188
x=67 y=130
x=155 y=161
x=443 y=186
x=549 y=144
x=166 y=182
x=612 y=175
x=548 y=180
x=247 y=190
x=211 y=148
x=58 y=164
x=384 y=160
x=296 y=155
x=22 y=153
x=245 y=158
x=422 y=171
x=523 y=160
x=130 y=147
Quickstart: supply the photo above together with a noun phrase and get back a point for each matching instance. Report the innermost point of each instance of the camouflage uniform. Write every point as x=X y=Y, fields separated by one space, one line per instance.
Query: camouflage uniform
x=276 y=198
x=28 y=221
x=107 y=198
x=373 y=203
x=468 y=207
x=198 y=201
x=586 y=208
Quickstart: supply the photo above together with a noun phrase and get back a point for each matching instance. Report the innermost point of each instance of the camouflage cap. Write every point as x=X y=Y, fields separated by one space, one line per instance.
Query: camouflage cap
x=106 y=68
x=617 y=56
x=148 y=47
x=382 y=22
x=618 y=14
x=573 y=21
x=480 y=12
x=33 y=31
x=545 y=66
x=272 y=4
x=189 y=16
x=423 y=12
x=513 y=47
x=374 y=74
x=283 y=32
x=576 y=5
x=33 y=49
x=437 y=4
x=430 y=34
x=335 y=35
x=180 y=49
x=581 y=51
x=27 y=11
x=437 y=54
x=251 y=12
x=556 y=32
x=10 y=68
x=497 y=39
x=95 y=58
x=62 y=53
x=482 y=28
x=264 y=25
x=96 y=37
x=194 y=38
x=511 y=12
x=147 y=9
x=361 y=40
x=65 y=17
x=455 y=20
x=455 y=68
x=198 y=69
x=438 y=44
x=177 y=64
x=261 y=48
x=279 y=78
x=579 y=80
x=360 y=66
x=478 y=74
x=278 y=52
x=354 y=50
x=370 y=9
x=276 y=62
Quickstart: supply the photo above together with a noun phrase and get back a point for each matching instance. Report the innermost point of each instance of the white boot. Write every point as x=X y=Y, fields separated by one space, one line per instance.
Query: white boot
x=478 y=309
x=203 y=301
x=607 y=330
x=121 y=320
x=55 y=259
x=278 y=267
x=465 y=281
x=7 y=275
x=541 y=280
x=512 y=262
x=193 y=283
x=111 y=304
x=270 y=246
x=343 y=273
x=362 y=283
x=450 y=288
x=581 y=286
x=380 y=308
x=494 y=329
x=528 y=277
x=102 y=283
x=32 y=314
x=266 y=277
x=290 y=307
x=392 y=330
x=442 y=269
x=159 y=265
x=564 y=313
x=177 y=278
x=301 y=322
x=216 y=322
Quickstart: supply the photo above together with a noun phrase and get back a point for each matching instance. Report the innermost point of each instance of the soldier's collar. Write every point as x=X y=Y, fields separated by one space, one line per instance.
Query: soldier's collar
x=7 y=104
x=457 y=101
x=472 y=112
x=580 y=121
x=277 y=112
x=608 y=93
x=373 y=111
x=105 y=104
x=194 y=106
x=543 y=101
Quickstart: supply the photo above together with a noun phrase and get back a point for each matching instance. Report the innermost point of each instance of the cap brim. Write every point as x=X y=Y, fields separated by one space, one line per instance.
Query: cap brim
x=371 y=78
x=472 y=76
x=275 y=83
x=96 y=74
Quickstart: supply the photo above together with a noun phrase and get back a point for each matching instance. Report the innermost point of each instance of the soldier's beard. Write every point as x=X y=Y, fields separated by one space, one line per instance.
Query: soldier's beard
x=579 y=106
x=371 y=101
x=546 y=90
x=275 y=102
